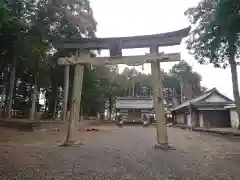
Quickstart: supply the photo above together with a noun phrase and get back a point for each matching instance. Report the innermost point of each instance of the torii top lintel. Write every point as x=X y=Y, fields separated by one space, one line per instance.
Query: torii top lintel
x=119 y=43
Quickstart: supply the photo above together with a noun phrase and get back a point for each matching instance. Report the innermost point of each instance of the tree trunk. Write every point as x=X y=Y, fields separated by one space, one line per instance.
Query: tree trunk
x=2 y=101
x=11 y=88
x=66 y=88
x=110 y=107
x=233 y=67
x=133 y=88
x=55 y=106
x=34 y=100
x=46 y=105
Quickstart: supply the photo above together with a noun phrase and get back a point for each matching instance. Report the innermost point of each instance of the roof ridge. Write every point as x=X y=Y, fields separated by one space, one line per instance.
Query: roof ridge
x=204 y=93
x=210 y=90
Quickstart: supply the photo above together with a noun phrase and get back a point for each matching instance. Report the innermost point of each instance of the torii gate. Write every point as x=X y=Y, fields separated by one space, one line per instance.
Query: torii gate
x=115 y=45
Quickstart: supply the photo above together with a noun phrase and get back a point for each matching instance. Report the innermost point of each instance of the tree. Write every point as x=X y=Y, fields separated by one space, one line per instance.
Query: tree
x=215 y=38
x=133 y=80
x=188 y=80
x=13 y=31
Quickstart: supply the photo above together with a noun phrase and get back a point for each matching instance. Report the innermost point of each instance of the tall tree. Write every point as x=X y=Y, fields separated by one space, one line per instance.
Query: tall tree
x=188 y=80
x=215 y=37
x=13 y=36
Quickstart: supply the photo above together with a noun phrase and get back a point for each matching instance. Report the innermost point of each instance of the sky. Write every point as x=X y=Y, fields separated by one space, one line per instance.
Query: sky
x=134 y=17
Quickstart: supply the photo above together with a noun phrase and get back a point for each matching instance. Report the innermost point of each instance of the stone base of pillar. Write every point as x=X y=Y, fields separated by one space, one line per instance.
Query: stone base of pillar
x=163 y=146
x=67 y=116
x=81 y=118
x=71 y=143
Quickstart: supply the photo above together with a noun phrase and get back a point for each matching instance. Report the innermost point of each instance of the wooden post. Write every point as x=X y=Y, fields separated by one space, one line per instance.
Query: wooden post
x=191 y=114
x=66 y=88
x=162 y=139
x=55 y=112
x=34 y=99
x=75 y=104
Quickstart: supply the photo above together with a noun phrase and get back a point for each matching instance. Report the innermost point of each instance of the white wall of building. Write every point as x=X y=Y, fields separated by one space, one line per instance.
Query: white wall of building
x=234 y=118
x=137 y=104
x=189 y=119
x=180 y=118
x=201 y=123
x=215 y=98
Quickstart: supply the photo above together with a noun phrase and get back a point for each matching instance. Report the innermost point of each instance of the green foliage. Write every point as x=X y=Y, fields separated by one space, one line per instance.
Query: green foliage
x=93 y=91
x=184 y=71
x=26 y=28
x=5 y=17
x=216 y=31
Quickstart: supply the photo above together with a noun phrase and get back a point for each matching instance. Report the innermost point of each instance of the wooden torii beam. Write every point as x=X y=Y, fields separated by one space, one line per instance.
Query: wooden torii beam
x=115 y=45
x=145 y=41
x=128 y=60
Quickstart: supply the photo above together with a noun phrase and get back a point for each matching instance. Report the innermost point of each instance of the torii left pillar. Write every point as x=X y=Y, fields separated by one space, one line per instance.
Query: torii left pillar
x=75 y=103
x=158 y=99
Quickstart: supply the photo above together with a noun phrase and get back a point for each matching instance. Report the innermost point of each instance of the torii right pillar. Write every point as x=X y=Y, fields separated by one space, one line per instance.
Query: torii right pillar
x=158 y=98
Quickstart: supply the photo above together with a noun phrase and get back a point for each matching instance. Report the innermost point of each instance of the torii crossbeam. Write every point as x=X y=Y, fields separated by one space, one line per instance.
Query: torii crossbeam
x=115 y=45
x=128 y=60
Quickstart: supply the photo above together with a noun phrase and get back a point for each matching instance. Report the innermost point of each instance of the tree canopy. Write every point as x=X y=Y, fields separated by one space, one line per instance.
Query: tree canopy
x=27 y=55
x=216 y=28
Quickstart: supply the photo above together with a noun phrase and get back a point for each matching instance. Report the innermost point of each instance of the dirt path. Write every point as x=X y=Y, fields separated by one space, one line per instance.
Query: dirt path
x=125 y=153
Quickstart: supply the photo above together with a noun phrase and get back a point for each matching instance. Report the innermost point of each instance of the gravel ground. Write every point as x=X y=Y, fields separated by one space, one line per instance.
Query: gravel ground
x=125 y=153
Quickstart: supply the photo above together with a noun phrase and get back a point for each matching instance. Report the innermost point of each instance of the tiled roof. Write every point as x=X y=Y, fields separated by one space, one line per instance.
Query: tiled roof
x=134 y=103
x=134 y=98
x=198 y=99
